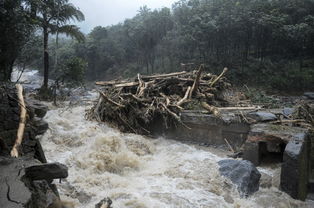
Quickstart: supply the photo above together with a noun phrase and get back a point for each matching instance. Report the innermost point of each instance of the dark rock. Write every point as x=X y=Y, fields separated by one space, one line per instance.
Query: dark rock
x=262 y=116
x=242 y=173
x=39 y=109
x=39 y=152
x=288 y=111
x=295 y=167
x=309 y=95
x=16 y=191
x=251 y=152
x=40 y=125
x=105 y=203
x=83 y=197
x=47 y=171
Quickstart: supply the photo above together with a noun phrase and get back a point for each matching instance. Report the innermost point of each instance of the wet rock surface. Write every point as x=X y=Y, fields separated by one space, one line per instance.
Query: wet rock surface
x=243 y=174
x=40 y=125
x=39 y=109
x=262 y=116
x=295 y=168
x=18 y=189
x=47 y=171
x=105 y=203
x=9 y=122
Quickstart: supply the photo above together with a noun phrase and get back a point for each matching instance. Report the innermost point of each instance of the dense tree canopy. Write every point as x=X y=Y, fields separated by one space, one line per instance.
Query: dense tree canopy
x=262 y=42
x=15 y=27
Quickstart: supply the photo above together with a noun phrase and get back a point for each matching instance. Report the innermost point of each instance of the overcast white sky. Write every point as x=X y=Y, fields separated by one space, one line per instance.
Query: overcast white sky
x=108 y=12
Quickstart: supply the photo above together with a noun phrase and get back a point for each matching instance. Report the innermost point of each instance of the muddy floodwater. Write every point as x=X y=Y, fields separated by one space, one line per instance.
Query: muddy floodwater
x=139 y=172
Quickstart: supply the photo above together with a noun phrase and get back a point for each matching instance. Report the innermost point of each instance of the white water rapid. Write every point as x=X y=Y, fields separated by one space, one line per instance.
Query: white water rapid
x=138 y=172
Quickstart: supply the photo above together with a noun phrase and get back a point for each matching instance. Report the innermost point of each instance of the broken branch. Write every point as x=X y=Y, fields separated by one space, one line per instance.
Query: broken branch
x=20 y=131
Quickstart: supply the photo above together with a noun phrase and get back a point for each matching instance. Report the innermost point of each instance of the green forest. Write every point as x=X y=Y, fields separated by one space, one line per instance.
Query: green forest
x=263 y=43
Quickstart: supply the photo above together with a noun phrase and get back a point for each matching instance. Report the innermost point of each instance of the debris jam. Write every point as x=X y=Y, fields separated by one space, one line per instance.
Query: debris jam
x=137 y=106
x=135 y=171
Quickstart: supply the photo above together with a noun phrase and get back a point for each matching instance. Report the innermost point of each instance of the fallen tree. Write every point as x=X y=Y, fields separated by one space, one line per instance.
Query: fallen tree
x=140 y=104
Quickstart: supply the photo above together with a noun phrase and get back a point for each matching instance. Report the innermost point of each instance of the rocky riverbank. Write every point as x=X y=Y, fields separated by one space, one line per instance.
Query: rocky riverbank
x=18 y=186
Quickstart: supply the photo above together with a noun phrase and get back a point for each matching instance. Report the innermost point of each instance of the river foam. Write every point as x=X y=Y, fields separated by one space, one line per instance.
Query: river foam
x=139 y=172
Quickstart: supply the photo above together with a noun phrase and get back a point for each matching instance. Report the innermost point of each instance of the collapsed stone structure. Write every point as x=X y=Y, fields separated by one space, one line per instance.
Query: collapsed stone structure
x=260 y=141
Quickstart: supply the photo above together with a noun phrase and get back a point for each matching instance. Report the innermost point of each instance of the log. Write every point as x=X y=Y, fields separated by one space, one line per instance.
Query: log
x=20 y=131
x=141 y=87
x=289 y=121
x=167 y=99
x=183 y=100
x=164 y=75
x=211 y=109
x=238 y=108
x=196 y=81
x=128 y=84
x=141 y=100
x=218 y=78
x=104 y=83
x=175 y=116
x=229 y=145
x=111 y=101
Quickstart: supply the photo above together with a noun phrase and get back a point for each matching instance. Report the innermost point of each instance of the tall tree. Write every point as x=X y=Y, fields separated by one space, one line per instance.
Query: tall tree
x=53 y=17
x=15 y=27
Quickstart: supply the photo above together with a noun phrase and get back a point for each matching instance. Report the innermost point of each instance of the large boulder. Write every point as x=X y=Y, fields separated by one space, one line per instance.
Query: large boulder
x=242 y=173
x=46 y=171
x=105 y=203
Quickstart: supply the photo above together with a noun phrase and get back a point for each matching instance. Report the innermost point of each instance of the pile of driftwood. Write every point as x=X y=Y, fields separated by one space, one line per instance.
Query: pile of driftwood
x=139 y=104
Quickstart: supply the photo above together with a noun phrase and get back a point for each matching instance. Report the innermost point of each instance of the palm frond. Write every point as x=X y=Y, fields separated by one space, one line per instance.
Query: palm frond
x=69 y=11
x=69 y=30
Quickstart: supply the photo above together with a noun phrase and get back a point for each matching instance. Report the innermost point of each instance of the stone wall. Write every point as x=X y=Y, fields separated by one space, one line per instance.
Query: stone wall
x=209 y=130
x=288 y=145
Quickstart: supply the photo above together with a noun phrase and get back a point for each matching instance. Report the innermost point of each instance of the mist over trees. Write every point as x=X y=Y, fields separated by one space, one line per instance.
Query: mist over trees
x=15 y=30
x=19 y=21
x=262 y=42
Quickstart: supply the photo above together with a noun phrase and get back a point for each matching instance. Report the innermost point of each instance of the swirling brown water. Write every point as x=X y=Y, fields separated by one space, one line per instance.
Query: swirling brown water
x=139 y=172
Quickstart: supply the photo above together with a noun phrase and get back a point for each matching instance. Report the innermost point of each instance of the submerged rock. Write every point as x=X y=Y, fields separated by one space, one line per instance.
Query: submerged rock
x=105 y=203
x=242 y=173
x=262 y=116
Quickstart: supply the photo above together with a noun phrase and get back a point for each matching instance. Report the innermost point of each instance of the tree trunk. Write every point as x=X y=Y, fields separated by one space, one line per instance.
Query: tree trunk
x=6 y=65
x=46 y=58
